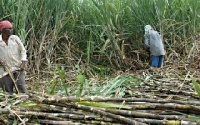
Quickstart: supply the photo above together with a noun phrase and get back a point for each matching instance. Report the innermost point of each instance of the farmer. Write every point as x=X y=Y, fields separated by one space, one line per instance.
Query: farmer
x=12 y=60
x=153 y=41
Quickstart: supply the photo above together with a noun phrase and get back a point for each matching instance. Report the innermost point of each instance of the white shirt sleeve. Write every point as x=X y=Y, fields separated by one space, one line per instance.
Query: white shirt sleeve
x=147 y=40
x=22 y=49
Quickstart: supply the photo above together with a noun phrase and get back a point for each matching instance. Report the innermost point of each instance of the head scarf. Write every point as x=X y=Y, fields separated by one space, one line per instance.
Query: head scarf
x=5 y=24
x=147 y=28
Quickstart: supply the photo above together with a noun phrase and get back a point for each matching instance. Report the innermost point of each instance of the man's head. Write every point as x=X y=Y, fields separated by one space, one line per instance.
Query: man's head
x=6 y=27
x=147 y=28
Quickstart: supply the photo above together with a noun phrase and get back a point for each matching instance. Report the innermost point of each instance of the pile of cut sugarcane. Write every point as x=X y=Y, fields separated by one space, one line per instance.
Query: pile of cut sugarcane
x=163 y=101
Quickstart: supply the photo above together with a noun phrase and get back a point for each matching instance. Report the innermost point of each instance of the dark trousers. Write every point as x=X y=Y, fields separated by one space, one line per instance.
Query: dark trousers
x=7 y=83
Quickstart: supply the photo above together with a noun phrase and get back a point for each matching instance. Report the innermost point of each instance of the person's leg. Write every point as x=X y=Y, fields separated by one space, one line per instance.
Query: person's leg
x=154 y=61
x=20 y=81
x=7 y=84
x=160 y=62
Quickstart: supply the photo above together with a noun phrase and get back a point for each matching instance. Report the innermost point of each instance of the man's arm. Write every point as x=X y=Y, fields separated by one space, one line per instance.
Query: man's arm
x=147 y=40
x=2 y=63
x=23 y=53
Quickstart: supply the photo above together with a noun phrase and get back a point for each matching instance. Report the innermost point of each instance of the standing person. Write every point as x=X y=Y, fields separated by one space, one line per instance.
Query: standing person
x=12 y=60
x=153 y=41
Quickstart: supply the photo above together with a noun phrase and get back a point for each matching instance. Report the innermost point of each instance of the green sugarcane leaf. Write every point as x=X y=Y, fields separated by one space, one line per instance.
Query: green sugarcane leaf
x=14 y=122
x=62 y=74
x=196 y=86
x=191 y=117
x=103 y=105
x=52 y=88
x=81 y=79
x=28 y=105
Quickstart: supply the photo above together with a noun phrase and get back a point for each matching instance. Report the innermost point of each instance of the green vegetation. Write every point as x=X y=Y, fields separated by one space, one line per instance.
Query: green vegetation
x=101 y=32
x=196 y=86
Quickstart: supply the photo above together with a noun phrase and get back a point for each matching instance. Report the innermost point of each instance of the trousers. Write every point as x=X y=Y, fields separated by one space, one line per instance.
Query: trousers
x=156 y=61
x=7 y=83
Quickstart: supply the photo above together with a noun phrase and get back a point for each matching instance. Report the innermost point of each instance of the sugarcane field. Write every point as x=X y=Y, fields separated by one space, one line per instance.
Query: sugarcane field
x=100 y=62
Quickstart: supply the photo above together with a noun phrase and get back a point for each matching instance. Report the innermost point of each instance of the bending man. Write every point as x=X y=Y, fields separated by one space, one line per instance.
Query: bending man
x=154 y=42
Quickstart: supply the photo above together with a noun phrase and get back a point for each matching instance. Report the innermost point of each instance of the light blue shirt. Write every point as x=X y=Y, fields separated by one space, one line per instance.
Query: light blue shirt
x=154 y=42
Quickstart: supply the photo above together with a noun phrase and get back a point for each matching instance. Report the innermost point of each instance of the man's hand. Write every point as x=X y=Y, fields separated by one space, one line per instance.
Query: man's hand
x=2 y=63
x=23 y=65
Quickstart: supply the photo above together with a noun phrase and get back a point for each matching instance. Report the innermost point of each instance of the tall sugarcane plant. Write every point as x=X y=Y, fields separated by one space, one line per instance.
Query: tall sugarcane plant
x=100 y=32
